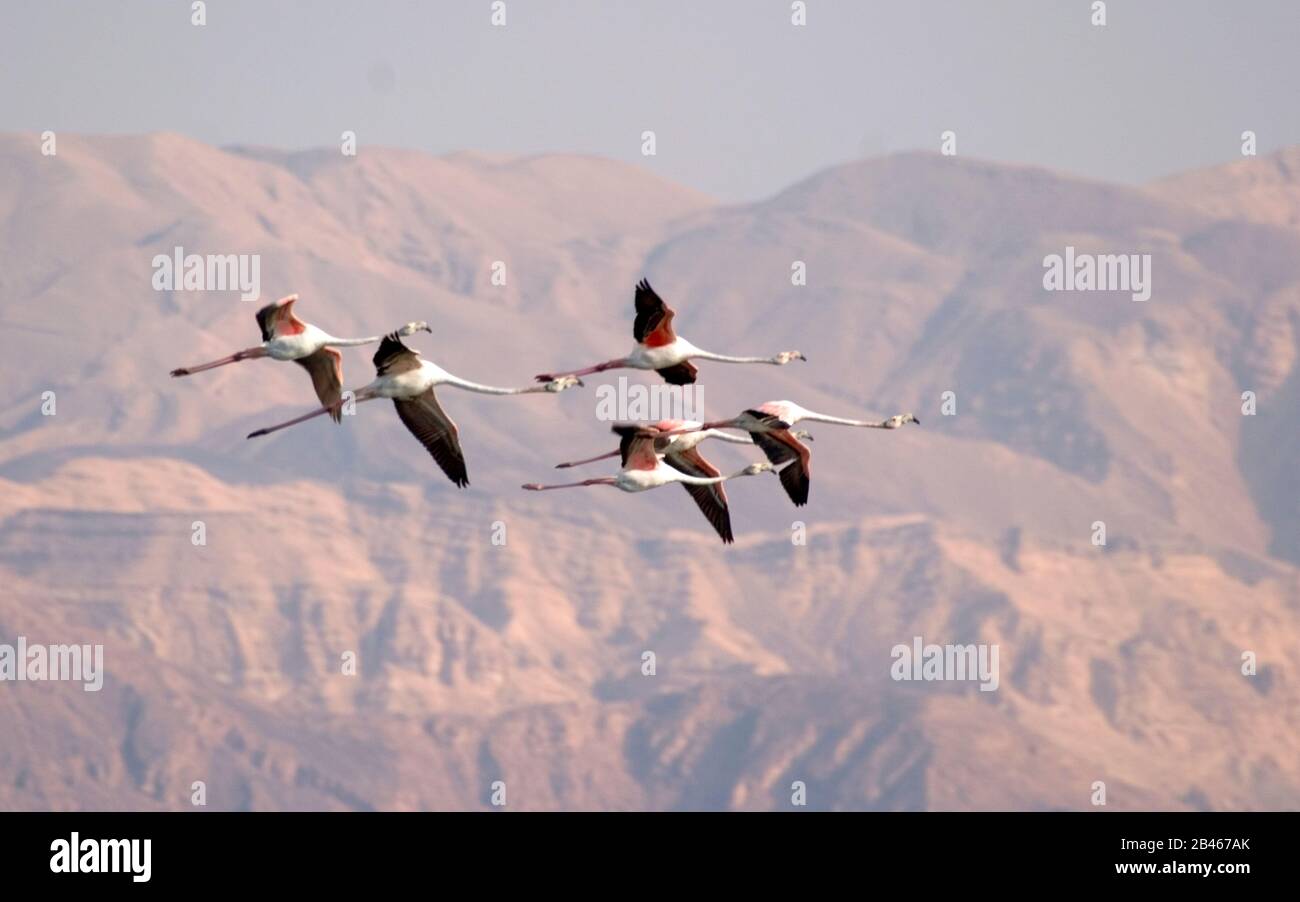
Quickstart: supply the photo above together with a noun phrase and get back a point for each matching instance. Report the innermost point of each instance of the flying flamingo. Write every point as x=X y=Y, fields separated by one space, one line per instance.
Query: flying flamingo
x=674 y=441
x=680 y=452
x=643 y=470
x=410 y=381
x=658 y=348
x=285 y=337
x=770 y=426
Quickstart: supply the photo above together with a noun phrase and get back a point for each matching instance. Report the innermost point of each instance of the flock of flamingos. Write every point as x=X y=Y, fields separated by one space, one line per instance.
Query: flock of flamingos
x=652 y=455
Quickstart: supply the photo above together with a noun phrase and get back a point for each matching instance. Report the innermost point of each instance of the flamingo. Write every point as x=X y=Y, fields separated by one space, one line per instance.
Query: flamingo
x=410 y=382
x=658 y=348
x=770 y=426
x=680 y=452
x=644 y=470
x=285 y=337
x=673 y=442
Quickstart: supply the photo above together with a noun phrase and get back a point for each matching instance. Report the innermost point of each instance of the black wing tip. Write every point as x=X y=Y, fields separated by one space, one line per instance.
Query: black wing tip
x=796 y=484
x=459 y=479
x=723 y=526
x=644 y=285
x=392 y=344
x=684 y=373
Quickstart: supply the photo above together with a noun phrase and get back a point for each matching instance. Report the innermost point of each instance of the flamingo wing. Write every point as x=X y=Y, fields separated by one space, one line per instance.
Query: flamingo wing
x=683 y=373
x=654 y=318
x=637 y=447
x=326 y=370
x=277 y=320
x=796 y=479
x=711 y=499
x=394 y=357
x=429 y=423
x=777 y=450
x=781 y=446
x=769 y=417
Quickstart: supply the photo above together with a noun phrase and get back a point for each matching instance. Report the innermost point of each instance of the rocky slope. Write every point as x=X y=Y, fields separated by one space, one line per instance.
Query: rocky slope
x=522 y=661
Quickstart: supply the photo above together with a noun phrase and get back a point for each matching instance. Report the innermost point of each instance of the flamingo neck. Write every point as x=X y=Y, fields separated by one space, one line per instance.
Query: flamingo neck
x=490 y=389
x=333 y=342
x=826 y=418
x=725 y=358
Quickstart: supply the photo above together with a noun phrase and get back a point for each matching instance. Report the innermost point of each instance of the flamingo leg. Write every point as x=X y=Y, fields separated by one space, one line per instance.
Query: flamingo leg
x=536 y=487
x=598 y=368
x=246 y=354
x=357 y=398
x=589 y=460
x=716 y=424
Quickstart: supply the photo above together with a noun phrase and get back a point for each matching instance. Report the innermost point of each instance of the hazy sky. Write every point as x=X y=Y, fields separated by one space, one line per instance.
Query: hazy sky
x=742 y=102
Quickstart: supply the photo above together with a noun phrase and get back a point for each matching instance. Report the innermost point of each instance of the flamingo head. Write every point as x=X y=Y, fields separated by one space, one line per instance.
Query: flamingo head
x=899 y=420
x=761 y=466
x=786 y=356
x=560 y=383
x=803 y=435
x=412 y=328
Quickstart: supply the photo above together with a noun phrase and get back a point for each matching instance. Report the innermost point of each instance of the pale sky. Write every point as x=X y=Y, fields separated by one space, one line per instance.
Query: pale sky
x=742 y=102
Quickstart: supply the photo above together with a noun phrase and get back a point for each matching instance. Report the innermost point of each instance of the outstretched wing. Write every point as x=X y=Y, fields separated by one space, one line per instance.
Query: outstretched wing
x=682 y=374
x=654 y=318
x=326 y=370
x=769 y=419
x=781 y=446
x=636 y=447
x=394 y=357
x=711 y=499
x=277 y=320
x=429 y=423
x=796 y=479
x=777 y=450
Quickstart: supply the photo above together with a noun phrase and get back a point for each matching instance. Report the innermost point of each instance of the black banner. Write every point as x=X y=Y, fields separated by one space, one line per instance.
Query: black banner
x=1154 y=852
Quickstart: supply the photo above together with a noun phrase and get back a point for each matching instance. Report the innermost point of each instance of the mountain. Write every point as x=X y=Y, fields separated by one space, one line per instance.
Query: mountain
x=1255 y=189
x=502 y=636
